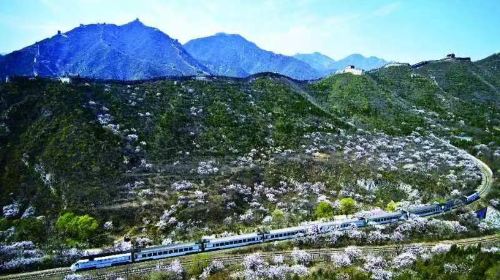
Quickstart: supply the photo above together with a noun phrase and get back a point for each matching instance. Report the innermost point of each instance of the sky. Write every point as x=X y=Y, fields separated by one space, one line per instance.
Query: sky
x=404 y=31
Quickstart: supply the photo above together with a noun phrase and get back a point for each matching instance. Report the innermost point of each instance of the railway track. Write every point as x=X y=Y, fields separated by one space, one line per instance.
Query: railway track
x=232 y=257
x=487 y=179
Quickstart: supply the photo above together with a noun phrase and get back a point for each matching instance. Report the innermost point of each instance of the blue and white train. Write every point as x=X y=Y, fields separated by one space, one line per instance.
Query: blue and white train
x=205 y=245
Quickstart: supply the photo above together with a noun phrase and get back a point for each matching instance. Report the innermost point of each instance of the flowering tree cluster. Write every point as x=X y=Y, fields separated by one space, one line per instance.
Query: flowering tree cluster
x=20 y=255
x=255 y=267
x=213 y=267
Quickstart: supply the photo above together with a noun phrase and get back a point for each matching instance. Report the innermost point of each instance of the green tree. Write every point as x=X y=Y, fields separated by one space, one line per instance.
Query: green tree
x=324 y=210
x=493 y=272
x=76 y=228
x=278 y=217
x=31 y=229
x=391 y=206
x=347 y=205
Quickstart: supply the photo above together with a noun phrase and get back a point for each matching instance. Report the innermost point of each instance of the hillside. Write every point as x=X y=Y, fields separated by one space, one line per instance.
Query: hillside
x=489 y=68
x=456 y=100
x=181 y=158
x=234 y=56
x=105 y=51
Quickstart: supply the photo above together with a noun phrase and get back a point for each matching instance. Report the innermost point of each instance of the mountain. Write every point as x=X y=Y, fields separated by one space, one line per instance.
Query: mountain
x=360 y=61
x=322 y=63
x=105 y=51
x=326 y=65
x=232 y=55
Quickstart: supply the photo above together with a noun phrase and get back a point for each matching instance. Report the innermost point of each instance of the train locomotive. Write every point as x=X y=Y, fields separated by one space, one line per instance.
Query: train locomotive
x=211 y=244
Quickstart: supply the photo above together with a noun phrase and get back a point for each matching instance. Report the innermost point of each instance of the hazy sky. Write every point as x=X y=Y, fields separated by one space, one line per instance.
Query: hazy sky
x=406 y=30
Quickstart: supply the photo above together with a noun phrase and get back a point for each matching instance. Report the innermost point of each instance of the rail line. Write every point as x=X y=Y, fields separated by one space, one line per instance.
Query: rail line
x=231 y=257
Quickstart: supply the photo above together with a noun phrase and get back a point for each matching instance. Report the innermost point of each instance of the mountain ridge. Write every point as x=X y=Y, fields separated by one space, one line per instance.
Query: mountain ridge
x=107 y=51
x=233 y=55
x=327 y=65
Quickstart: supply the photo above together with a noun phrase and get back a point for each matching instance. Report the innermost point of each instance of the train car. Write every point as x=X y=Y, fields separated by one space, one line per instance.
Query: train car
x=471 y=198
x=352 y=223
x=425 y=210
x=386 y=218
x=232 y=241
x=161 y=252
x=450 y=204
x=284 y=233
x=329 y=226
x=101 y=262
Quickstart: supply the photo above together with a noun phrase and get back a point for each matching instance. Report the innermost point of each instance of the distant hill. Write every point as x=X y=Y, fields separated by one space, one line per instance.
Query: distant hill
x=105 y=51
x=318 y=61
x=490 y=68
x=326 y=65
x=360 y=61
x=232 y=55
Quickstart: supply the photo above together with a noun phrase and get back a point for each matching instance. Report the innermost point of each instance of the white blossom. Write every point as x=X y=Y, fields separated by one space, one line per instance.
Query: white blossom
x=299 y=270
x=11 y=210
x=440 y=248
x=301 y=257
x=176 y=268
x=404 y=260
x=108 y=225
x=341 y=259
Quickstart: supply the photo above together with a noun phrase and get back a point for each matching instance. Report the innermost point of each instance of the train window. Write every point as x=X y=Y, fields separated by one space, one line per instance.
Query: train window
x=143 y=255
x=149 y=255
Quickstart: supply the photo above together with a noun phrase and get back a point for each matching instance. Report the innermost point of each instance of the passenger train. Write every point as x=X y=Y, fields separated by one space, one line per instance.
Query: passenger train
x=160 y=252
